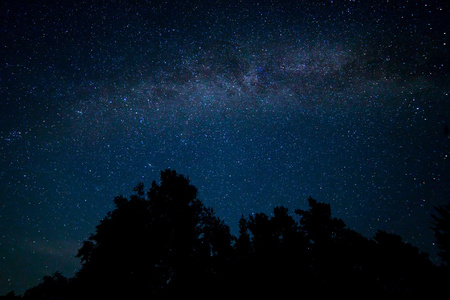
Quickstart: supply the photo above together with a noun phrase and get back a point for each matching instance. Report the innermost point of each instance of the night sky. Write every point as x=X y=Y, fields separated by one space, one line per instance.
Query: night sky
x=260 y=103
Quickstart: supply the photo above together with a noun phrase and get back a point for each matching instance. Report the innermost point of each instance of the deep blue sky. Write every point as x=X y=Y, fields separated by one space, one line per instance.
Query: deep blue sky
x=259 y=103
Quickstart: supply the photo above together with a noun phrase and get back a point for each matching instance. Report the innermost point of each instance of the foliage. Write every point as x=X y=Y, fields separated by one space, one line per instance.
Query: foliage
x=165 y=244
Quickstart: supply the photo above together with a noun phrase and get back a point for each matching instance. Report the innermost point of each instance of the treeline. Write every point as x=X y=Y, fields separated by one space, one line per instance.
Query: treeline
x=165 y=243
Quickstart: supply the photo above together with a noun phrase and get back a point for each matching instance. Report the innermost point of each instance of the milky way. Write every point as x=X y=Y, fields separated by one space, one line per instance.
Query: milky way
x=260 y=104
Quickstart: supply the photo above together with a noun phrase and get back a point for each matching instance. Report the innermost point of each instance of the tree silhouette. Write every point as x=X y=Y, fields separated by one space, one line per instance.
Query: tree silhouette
x=271 y=255
x=400 y=267
x=321 y=229
x=164 y=243
x=337 y=254
x=243 y=243
x=155 y=244
x=52 y=288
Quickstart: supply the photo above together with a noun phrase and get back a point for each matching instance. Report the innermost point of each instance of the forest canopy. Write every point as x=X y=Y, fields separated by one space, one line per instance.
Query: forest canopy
x=165 y=243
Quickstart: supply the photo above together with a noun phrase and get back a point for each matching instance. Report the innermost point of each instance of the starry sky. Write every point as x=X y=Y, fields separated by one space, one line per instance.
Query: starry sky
x=260 y=103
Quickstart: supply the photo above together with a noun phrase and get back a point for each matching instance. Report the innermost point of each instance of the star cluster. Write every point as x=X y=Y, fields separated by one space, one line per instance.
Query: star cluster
x=260 y=103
